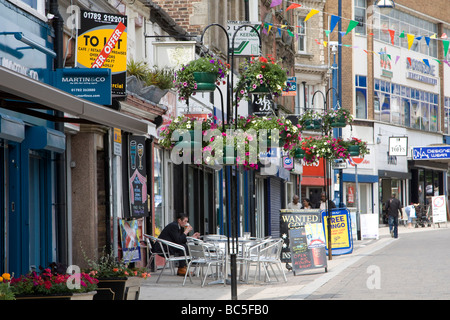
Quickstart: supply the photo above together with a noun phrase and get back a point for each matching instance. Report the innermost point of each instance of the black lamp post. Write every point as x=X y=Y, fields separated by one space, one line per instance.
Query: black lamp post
x=231 y=188
x=327 y=169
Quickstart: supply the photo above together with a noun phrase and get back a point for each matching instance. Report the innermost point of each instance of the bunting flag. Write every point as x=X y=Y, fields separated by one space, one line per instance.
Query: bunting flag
x=410 y=40
x=293 y=6
x=392 y=33
x=311 y=13
x=409 y=60
x=352 y=25
x=396 y=59
x=427 y=39
x=427 y=63
x=333 y=22
x=402 y=35
x=445 y=43
x=444 y=36
x=275 y=3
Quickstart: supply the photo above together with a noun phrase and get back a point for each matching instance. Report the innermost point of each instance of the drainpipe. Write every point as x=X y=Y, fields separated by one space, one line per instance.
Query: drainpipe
x=60 y=158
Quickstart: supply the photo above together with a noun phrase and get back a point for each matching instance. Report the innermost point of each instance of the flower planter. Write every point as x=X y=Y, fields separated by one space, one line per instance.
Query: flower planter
x=338 y=122
x=262 y=89
x=63 y=296
x=299 y=153
x=354 y=150
x=133 y=288
x=110 y=289
x=206 y=81
x=83 y=296
x=315 y=124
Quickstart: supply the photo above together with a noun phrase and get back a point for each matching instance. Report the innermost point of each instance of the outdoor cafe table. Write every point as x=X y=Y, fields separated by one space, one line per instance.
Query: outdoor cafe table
x=222 y=243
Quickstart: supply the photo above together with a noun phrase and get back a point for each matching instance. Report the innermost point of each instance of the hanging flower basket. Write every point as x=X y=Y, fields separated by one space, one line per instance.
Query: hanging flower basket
x=260 y=76
x=338 y=118
x=354 y=151
x=310 y=120
x=206 y=81
x=324 y=147
x=259 y=90
x=299 y=153
x=197 y=76
x=356 y=147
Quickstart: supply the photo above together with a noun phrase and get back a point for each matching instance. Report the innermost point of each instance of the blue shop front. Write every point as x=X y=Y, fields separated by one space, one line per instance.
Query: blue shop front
x=33 y=218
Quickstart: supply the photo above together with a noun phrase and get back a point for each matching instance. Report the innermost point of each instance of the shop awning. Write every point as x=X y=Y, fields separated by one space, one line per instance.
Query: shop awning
x=313 y=181
x=15 y=88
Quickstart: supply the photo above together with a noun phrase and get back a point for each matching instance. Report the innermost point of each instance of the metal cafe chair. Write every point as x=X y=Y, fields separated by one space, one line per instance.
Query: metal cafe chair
x=265 y=255
x=165 y=252
x=205 y=255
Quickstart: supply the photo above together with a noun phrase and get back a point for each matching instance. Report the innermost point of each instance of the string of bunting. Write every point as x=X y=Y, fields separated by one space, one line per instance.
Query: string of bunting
x=334 y=20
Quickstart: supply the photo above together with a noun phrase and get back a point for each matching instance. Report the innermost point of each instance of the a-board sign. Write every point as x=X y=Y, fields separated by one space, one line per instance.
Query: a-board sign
x=293 y=219
x=307 y=252
x=439 y=209
x=341 y=230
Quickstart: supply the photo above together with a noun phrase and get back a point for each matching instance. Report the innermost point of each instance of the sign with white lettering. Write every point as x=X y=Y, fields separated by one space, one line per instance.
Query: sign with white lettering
x=90 y=84
x=398 y=146
x=427 y=153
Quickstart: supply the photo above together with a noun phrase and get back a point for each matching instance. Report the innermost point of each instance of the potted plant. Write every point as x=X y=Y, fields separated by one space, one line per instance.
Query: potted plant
x=47 y=284
x=134 y=281
x=356 y=147
x=199 y=75
x=260 y=75
x=87 y=289
x=324 y=147
x=6 y=292
x=111 y=274
x=310 y=120
x=337 y=118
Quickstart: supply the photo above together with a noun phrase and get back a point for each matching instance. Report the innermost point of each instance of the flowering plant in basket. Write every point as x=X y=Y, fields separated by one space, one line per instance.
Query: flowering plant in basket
x=184 y=80
x=260 y=72
x=324 y=147
x=337 y=118
x=362 y=145
x=184 y=122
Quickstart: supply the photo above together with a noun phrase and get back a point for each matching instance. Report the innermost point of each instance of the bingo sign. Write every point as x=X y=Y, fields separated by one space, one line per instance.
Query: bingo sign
x=439 y=209
x=102 y=43
x=341 y=230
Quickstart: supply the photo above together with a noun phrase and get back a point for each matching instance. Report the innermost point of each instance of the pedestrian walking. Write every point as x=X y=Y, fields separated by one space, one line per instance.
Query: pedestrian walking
x=393 y=210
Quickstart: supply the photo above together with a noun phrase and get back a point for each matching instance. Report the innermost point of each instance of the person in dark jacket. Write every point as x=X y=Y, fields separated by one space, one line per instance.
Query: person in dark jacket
x=177 y=232
x=393 y=210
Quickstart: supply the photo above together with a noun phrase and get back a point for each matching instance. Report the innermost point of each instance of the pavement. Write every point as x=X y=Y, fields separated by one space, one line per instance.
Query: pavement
x=297 y=287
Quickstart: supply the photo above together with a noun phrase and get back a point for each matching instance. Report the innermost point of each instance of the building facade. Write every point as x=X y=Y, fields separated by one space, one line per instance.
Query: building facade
x=393 y=76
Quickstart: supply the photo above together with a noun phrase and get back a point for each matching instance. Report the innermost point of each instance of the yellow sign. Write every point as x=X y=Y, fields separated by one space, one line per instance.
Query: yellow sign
x=117 y=135
x=91 y=43
x=339 y=231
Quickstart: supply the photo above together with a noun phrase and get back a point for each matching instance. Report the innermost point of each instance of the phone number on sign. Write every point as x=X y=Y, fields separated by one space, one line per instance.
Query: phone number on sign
x=103 y=17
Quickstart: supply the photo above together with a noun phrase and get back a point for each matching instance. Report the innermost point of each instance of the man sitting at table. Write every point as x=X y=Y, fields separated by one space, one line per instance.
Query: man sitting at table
x=177 y=232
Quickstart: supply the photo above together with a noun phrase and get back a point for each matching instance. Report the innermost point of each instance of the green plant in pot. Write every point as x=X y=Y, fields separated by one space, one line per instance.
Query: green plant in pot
x=200 y=75
x=260 y=75
x=337 y=118
x=356 y=147
x=310 y=120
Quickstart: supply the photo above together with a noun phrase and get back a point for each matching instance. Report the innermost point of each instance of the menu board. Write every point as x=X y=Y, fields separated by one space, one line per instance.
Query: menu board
x=307 y=250
x=293 y=219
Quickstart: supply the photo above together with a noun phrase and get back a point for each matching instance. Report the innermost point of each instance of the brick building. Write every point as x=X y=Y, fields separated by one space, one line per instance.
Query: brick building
x=393 y=76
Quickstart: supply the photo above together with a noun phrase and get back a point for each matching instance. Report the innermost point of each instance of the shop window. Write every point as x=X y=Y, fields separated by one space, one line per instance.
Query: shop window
x=32 y=6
